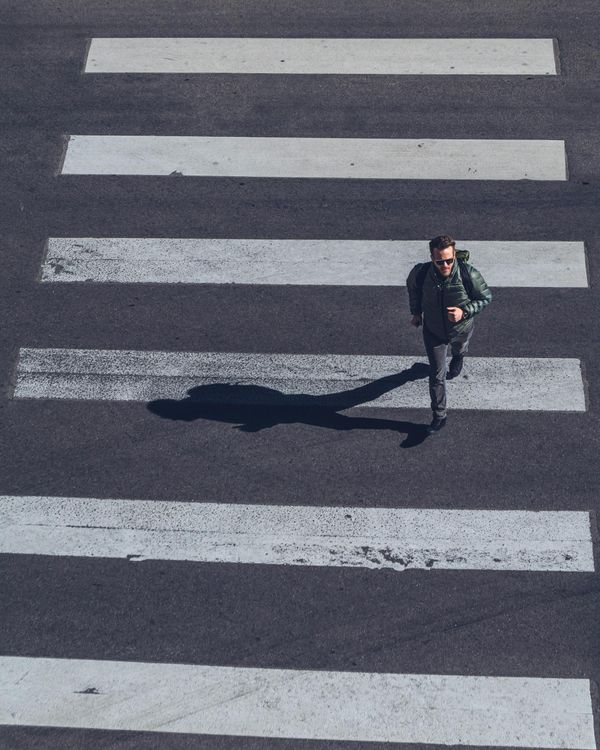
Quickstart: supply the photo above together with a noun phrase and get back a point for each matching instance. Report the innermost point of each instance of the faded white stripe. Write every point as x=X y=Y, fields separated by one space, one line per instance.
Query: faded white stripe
x=365 y=158
x=322 y=56
x=299 y=704
x=397 y=538
x=341 y=381
x=311 y=262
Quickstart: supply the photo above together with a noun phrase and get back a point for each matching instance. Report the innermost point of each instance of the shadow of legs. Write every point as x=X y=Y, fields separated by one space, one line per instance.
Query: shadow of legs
x=253 y=408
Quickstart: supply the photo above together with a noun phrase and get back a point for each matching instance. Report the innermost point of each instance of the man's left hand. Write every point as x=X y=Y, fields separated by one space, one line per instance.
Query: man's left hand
x=455 y=314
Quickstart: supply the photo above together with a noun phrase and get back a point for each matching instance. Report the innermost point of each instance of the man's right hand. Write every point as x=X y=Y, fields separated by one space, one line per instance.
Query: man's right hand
x=416 y=321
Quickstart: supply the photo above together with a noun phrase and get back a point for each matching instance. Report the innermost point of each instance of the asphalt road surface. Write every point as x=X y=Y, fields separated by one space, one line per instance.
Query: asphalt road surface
x=308 y=648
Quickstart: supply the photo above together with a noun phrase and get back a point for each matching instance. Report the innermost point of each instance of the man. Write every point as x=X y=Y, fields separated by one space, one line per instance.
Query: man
x=445 y=298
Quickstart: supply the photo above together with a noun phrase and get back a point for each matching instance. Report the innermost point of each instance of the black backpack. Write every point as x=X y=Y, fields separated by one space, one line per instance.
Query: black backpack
x=462 y=256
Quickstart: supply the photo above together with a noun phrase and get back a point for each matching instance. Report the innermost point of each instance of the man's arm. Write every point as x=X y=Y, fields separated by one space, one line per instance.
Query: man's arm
x=481 y=296
x=415 y=289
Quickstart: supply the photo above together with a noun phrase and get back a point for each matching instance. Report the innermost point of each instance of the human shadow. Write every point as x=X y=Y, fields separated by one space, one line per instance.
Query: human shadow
x=254 y=407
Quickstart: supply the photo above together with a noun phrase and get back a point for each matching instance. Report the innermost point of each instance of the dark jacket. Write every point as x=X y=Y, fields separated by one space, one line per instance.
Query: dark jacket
x=438 y=293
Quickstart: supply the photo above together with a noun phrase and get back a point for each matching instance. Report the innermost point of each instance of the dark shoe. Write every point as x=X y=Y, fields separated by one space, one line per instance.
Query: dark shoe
x=456 y=364
x=436 y=425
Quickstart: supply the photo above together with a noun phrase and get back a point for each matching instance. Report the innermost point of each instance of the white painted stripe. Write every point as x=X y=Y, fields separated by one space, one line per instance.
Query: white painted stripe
x=321 y=56
x=338 y=262
x=299 y=704
x=398 y=538
x=340 y=381
x=365 y=158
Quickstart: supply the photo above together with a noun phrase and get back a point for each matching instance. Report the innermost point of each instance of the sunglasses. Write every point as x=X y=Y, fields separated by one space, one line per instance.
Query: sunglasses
x=447 y=262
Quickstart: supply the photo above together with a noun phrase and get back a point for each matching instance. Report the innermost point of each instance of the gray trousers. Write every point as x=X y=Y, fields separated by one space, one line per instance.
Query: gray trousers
x=437 y=351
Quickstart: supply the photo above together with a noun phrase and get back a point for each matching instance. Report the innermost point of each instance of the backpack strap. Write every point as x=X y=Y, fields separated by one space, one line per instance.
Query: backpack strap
x=421 y=274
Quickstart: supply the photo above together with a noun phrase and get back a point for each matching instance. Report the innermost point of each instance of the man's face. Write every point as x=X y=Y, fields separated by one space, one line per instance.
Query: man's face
x=438 y=256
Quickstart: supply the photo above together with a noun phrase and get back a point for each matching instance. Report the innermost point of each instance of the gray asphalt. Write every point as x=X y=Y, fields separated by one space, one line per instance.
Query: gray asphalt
x=420 y=621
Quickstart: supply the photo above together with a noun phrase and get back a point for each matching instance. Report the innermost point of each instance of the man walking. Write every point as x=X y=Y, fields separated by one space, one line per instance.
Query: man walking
x=444 y=296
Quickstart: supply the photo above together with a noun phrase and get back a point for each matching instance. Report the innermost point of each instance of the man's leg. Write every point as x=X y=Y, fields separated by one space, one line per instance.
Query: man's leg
x=436 y=354
x=459 y=346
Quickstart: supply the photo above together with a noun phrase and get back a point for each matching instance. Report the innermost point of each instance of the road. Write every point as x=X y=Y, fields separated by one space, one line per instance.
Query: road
x=326 y=619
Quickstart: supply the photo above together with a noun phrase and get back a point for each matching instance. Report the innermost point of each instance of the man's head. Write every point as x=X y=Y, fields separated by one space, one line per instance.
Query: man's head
x=442 y=254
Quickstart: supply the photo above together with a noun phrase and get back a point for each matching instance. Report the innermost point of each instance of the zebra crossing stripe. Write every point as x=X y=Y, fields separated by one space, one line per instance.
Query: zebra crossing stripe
x=307 y=262
x=299 y=704
x=322 y=56
x=399 y=538
x=364 y=158
x=330 y=382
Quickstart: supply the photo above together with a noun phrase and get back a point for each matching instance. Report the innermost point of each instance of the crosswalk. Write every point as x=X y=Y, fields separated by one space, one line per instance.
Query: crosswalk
x=333 y=158
x=322 y=56
x=299 y=704
x=302 y=704
x=334 y=381
x=303 y=535
x=156 y=260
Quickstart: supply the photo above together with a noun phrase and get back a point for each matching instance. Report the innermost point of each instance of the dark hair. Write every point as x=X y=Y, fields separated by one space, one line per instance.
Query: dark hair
x=441 y=243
